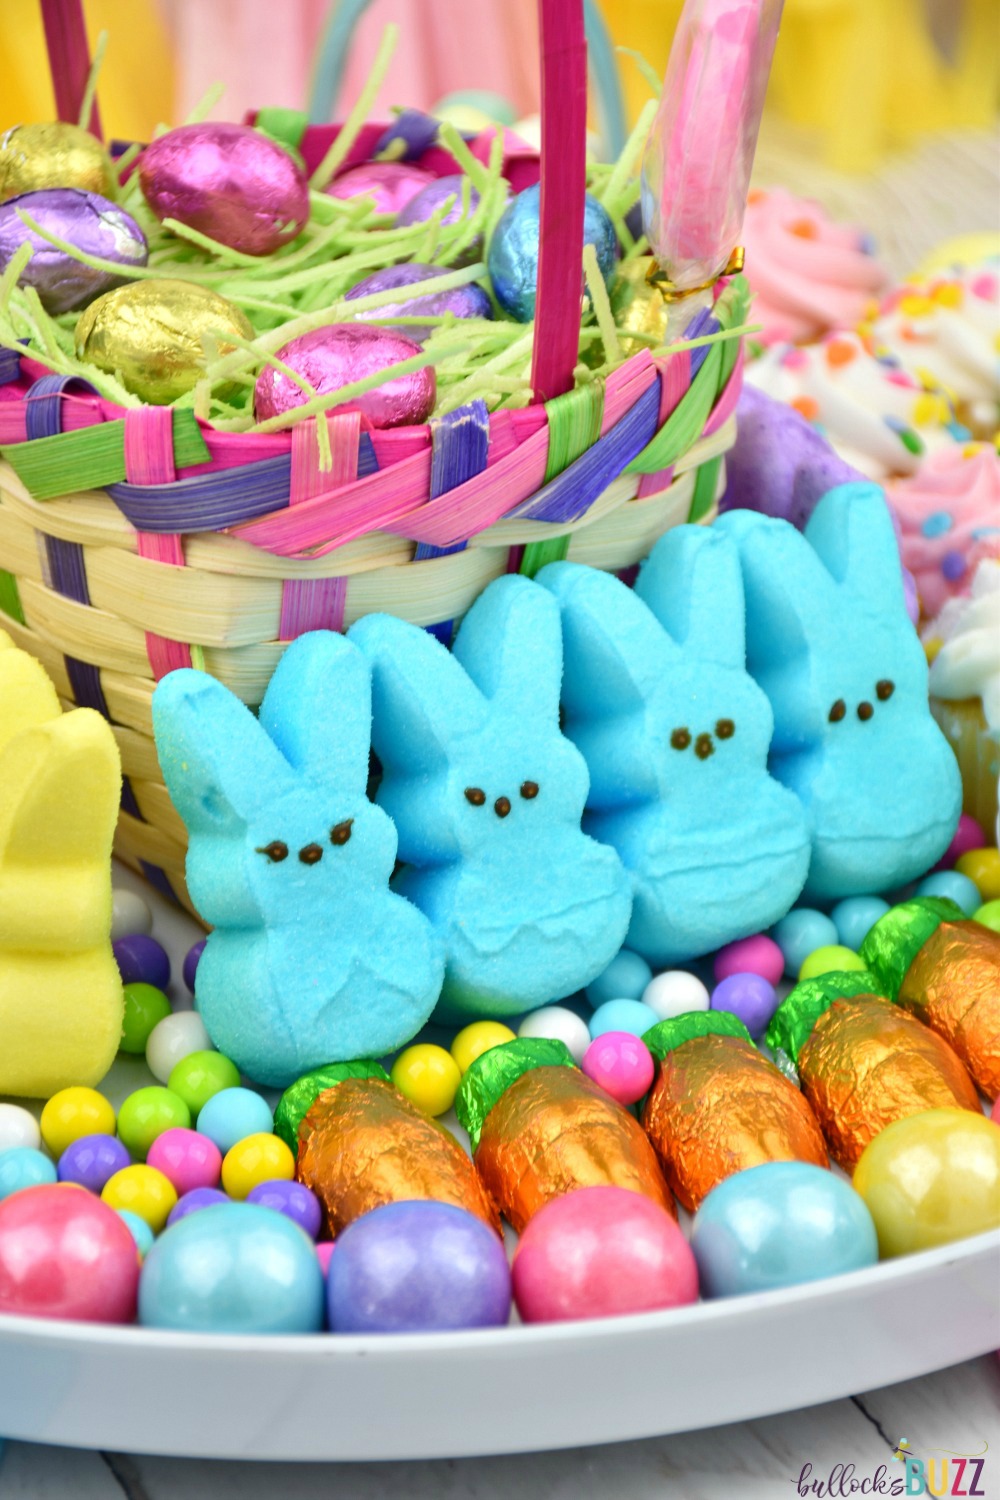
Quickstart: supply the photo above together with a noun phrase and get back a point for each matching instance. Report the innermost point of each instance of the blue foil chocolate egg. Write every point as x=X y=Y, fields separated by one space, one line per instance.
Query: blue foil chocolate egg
x=84 y=220
x=464 y=301
x=513 y=253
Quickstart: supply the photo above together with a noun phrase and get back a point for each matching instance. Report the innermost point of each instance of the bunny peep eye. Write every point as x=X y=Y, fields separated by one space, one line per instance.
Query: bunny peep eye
x=276 y=851
x=703 y=746
x=725 y=729
x=865 y=711
x=680 y=739
x=502 y=806
x=529 y=790
x=475 y=795
x=341 y=832
x=311 y=854
x=884 y=690
x=838 y=711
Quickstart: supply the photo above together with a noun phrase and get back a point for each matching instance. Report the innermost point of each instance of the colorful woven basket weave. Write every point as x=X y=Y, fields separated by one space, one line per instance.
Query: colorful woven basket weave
x=134 y=542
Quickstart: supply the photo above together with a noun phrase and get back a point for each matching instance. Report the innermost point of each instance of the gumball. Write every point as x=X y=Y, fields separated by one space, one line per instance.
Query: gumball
x=129 y=914
x=625 y=978
x=832 y=959
x=855 y=918
x=199 y=1075
x=800 y=933
x=968 y=835
x=294 y=1200
x=779 y=1224
x=141 y=959
x=621 y=1063
x=176 y=1036
x=931 y=1178
x=191 y=958
x=145 y=1008
x=675 y=993
x=989 y=915
x=256 y=1159
x=197 y=1198
x=417 y=1267
x=65 y=1254
x=753 y=955
x=390 y=184
x=339 y=354
x=560 y=1024
x=513 y=255
x=138 y=1229
x=749 y=997
x=18 y=1127
x=23 y=1167
x=955 y=887
x=472 y=1041
x=143 y=1191
x=234 y=1114
x=428 y=1076
x=622 y=1015
x=74 y=1112
x=995 y=1111
x=92 y=1160
x=235 y=1268
x=982 y=866
x=600 y=1252
x=324 y=1252
x=146 y=1114
x=186 y=1159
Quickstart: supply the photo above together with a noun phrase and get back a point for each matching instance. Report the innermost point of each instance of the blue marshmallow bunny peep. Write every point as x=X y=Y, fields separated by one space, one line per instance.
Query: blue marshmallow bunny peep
x=312 y=958
x=675 y=735
x=487 y=796
x=830 y=642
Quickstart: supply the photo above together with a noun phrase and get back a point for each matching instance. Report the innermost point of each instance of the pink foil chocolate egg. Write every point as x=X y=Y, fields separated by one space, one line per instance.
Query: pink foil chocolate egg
x=229 y=182
x=336 y=356
x=391 y=183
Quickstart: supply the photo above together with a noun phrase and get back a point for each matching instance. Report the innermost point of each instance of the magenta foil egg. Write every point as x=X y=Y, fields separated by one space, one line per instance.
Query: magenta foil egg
x=336 y=356
x=230 y=182
x=468 y=301
x=392 y=184
x=86 y=221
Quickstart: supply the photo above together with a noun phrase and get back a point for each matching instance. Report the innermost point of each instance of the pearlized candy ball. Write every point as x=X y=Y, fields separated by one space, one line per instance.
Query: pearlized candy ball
x=513 y=255
x=428 y=1076
x=625 y=978
x=473 y=1040
x=129 y=913
x=469 y=301
x=74 y=1112
x=140 y=958
x=989 y=915
x=339 y=354
x=191 y=958
x=138 y=1229
x=18 y=1127
x=257 y=1158
x=955 y=887
x=145 y=1008
x=855 y=918
x=834 y=958
x=232 y=1115
x=391 y=184
x=749 y=997
x=968 y=835
x=176 y=1036
x=675 y=993
x=92 y=1161
x=197 y=1198
x=23 y=1167
x=753 y=955
x=560 y=1024
x=143 y=1191
x=800 y=933
x=146 y=1114
x=324 y=1253
x=600 y=1252
x=622 y=1015
x=200 y=1075
x=621 y=1063
x=417 y=1267
x=779 y=1224
x=294 y=1200
x=234 y=1268
x=982 y=866
x=89 y=223
x=65 y=1254
x=187 y=1159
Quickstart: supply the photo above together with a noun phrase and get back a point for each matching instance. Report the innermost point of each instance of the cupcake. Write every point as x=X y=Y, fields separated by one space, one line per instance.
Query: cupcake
x=963 y=645
x=808 y=274
x=949 y=520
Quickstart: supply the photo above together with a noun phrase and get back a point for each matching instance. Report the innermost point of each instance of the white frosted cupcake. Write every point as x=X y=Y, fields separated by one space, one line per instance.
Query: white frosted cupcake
x=963 y=645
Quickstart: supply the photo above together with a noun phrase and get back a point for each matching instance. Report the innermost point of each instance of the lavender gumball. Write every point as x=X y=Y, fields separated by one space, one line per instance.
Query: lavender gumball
x=392 y=184
x=192 y=1202
x=88 y=222
x=749 y=997
x=340 y=354
x=92 y=1160
x=293 y=1199
x=142 y=960
x=463 y=301
x=514 y=249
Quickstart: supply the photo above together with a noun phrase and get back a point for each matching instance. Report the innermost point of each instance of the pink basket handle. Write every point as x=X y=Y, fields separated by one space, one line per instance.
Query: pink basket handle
x=69 y=59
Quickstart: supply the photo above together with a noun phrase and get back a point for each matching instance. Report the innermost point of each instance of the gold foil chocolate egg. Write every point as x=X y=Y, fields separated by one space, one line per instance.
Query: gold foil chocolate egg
x=638 y=307
x=150 y=335
x=53 y=155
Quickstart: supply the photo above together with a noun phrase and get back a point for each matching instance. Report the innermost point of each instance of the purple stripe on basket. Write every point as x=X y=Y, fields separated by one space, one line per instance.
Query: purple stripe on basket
x=701 y=324
x=129 y=804
x=207 y=502
x=44 y=405
x=85 y=680
x=573 y=492
x=10 y=366
x=460 y=446
x=67 y=571
x=157 y=878
x=367 y=462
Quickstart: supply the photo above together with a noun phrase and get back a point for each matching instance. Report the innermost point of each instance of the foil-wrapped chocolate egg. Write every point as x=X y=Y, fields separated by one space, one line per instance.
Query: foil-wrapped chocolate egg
x=513 y=252
x=230 y=182
x=392 y=184
x=53 y=155
x=430 y=198
x=338 y=355
x=150 y=335
x=86 y=221
x=464 y=301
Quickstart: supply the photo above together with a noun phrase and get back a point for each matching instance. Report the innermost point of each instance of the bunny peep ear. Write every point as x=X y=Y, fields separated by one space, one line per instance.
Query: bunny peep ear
x=60 y=784
x=852 y=533
x=318 y=709
x=219 y=765
x=422 y=699
x=510 y=643
x=27 y=696
x=693 y=584
x=787 y=589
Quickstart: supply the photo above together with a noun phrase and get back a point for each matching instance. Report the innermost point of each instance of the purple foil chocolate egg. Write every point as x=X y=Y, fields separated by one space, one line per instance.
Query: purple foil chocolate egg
x=332 y=357
x=392 y=184
x=464 y=301
x=430 y=198
x=86 y=221
x=227 y=181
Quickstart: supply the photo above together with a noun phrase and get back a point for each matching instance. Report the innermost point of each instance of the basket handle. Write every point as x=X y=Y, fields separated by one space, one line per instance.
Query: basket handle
x=69 y=59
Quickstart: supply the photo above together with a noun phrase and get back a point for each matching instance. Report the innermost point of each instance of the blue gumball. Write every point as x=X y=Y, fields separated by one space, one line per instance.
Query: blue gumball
x=233 y=1114
x=955 y=886
x=138 y=1229
x=234 y=1268
x=625 y=978
x=513 y=255
x=777 y=1225
x=622 y=1015
x=801 y=933
x=24 y=1167
x=855 y=917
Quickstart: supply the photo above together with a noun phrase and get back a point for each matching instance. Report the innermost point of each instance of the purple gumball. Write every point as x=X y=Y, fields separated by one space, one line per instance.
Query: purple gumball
x=749 y=997
x=142 y=960
x=191 y=959
x=463 y=301
x=92 y=1160
x=197 y=1198
x=417 y=1267
x=86 y=221
x=293 y=1199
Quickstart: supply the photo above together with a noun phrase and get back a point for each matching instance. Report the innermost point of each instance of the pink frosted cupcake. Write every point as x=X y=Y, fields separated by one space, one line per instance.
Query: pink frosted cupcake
x=949 y=516
x=808 y=273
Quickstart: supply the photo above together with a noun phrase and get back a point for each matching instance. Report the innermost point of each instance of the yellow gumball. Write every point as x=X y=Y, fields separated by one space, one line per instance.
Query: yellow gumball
x=931 y=1178
x=472 y=1041
x=143 y=1191
x=428 y=1076
x=72 y=1113
x=830 y=960
x=982 y=866
x=256 y=1159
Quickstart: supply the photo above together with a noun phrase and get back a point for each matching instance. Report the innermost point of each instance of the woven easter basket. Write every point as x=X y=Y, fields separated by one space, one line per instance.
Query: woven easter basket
x=133 y=542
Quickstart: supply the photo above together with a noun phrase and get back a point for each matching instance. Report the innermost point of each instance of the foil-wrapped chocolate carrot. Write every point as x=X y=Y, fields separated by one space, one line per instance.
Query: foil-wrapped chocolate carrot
x=945 y=969
x=863 y=1062
x=540 y=1128
x=718 y=1105
x=361 y=1144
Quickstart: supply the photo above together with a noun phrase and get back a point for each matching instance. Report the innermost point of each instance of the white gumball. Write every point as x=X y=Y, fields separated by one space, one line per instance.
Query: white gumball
x=129 y=914
x=175 y=1037
x=18 y=1127
x=674 y=994
x=558 y=1024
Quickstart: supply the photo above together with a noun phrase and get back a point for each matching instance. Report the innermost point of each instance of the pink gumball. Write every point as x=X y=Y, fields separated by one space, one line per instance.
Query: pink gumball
x=600 y=1252
x=753 y=955
x=621 y=1063
x=186 y=1159
x=65 y=1254
x=968 y=836
x=995 y=1111
x=324 y=1250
